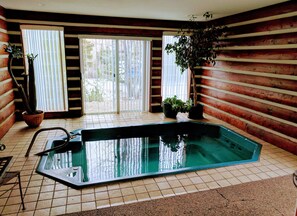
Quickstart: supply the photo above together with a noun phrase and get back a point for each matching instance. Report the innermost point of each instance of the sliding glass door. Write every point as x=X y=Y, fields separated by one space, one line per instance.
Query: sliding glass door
x=114 y=74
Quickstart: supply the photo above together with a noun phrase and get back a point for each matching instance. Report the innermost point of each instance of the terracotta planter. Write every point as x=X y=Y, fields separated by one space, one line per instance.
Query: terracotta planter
x=33 y=120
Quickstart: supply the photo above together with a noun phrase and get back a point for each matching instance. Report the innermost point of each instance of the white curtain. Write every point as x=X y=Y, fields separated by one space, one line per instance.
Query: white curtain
x=49 y=66
x=173 y=81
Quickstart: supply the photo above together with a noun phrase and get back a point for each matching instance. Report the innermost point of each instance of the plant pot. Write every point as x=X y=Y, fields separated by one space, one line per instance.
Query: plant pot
x=168 y=112
x=196 y=112
x=33 y=120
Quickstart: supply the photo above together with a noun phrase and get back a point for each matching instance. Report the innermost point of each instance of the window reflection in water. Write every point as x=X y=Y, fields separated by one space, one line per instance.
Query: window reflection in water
x=108 y=159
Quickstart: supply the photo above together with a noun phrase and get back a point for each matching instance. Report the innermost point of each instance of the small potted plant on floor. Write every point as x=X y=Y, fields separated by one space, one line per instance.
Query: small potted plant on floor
x=197 y=44
x=172 y=105
x=31 y=115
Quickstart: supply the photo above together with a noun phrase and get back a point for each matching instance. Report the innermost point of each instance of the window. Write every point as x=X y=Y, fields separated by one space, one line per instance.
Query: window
x=114 y=73
x=173 y=81
x=49 y=66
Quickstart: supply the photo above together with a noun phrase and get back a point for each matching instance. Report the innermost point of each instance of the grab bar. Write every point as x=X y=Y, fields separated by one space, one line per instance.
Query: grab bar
x=295 y=178
x=54 y=148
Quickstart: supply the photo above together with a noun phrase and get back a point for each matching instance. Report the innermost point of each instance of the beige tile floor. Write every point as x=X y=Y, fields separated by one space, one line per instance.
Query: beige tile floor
x=44 y=196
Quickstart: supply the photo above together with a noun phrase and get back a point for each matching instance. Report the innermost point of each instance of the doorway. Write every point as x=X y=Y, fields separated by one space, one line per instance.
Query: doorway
x=115 y=74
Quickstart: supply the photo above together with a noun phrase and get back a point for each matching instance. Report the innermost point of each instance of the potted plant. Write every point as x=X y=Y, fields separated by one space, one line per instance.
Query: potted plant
x=31 y=115
x=197 y=44
x=172 y=105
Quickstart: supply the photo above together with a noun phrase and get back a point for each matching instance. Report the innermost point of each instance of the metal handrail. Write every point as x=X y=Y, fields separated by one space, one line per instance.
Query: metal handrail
x=52 y=149
x=295 y=178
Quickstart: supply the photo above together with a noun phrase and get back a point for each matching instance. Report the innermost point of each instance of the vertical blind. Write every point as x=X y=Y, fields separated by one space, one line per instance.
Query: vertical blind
x=173 y=81
x=49 y=66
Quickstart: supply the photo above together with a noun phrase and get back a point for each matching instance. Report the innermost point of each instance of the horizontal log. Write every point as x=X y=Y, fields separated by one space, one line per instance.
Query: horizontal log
x=7 y=125
x=5 y=87
x=226 y=118
x=252 y=117
x=73 y=73
x=15 y=38
x=278 y=141
x=73 y=83
x=112 y=31
x=280 y=54
x=72 y=41
x=157 y=63
x=157 y=53
x=255 y=80
x=155 y=109
x=6 y=99
x=20 y=73
x=253 y=105
x=157 y=43
x=74 y=94
x=3 y=24
x=156 y=73
x=18 y=62
x=3 y=37
x=156 y=82
x=253 y=92
x=259 y=67
x=276 y=9
x=280 y=39
x=260 y=133
x=156 y=100
x=75 y=103
x=12 y=26
x=3 y=62
x=271 y=25
x=6 y=112
x=72 y=52
x=2 y=11
x=72 y=63
x=156 y=91
x=257 y=132
x=4 y=75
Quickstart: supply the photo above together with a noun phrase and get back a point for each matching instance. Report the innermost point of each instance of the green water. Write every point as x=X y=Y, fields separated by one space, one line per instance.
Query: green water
x=99 y=161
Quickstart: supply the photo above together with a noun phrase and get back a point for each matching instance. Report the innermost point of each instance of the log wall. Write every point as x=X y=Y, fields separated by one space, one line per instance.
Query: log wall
x=253 y=84
x=75 y=25
x=7 y=107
